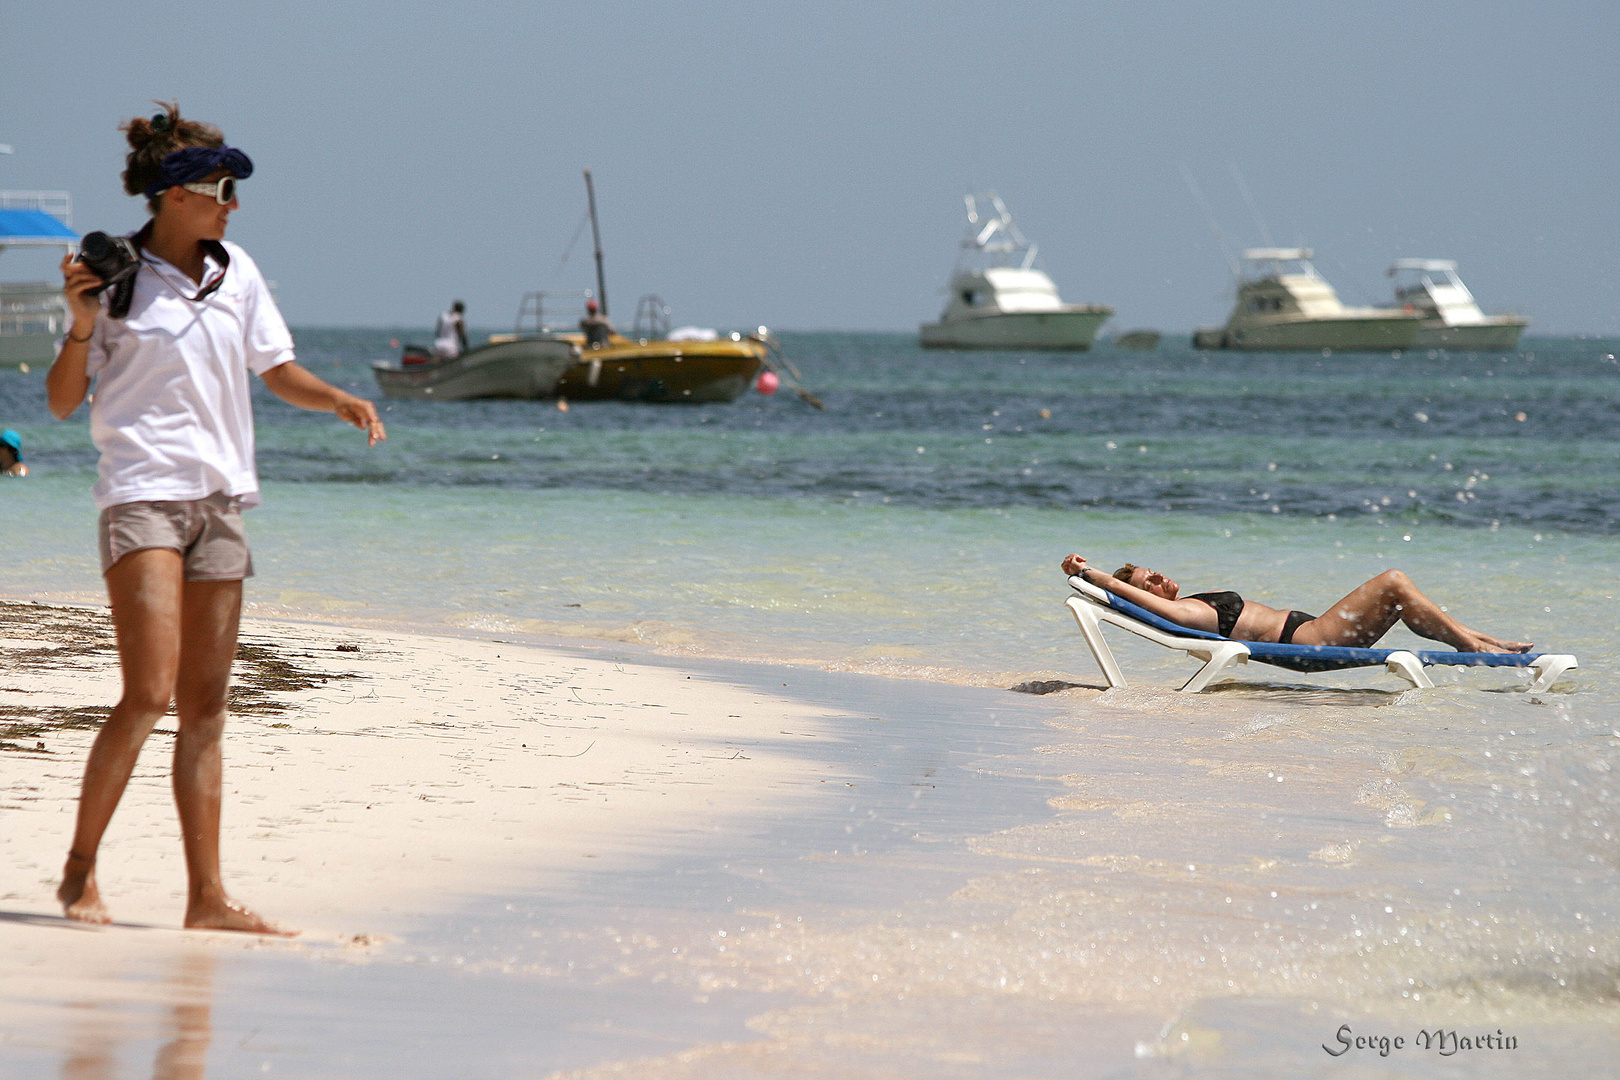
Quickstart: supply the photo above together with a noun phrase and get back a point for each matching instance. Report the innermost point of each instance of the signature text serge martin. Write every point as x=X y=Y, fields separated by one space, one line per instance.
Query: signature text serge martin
x=1440 y=1040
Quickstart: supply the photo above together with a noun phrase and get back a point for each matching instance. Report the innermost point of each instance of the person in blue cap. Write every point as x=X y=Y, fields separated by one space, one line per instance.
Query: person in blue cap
x=11 y=462
x=172 y=352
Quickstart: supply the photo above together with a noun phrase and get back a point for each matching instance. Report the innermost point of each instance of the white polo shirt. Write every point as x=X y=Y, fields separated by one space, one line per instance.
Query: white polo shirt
x=171 y=412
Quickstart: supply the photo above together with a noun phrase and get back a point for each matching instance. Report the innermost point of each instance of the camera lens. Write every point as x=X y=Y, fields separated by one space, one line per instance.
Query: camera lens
x=96 y=246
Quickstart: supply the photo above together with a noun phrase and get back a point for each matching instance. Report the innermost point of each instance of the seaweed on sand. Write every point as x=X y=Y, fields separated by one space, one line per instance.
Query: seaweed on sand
x=82 y=638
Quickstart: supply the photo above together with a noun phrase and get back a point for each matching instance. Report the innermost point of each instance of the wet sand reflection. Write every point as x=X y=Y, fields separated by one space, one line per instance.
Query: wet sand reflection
x=103 y=1027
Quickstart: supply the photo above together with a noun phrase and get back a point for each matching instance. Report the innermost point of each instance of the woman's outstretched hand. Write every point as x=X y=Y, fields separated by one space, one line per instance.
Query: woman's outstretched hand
x=1073 y=565
x=292 y=383
x=363 y=415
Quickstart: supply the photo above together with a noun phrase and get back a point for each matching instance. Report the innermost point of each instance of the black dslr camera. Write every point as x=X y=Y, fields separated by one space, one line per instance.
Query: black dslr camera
x=113 y=258
x=116 y=260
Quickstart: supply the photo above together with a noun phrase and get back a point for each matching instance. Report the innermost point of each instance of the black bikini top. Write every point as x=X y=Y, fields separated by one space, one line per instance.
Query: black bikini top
x=1228 y=606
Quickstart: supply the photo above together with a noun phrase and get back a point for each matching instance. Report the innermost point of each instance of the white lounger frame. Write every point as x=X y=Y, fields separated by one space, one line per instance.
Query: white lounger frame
x=1091 y=609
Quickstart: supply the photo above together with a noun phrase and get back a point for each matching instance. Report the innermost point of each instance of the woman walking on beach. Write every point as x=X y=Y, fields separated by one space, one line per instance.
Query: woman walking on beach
x=171 y=347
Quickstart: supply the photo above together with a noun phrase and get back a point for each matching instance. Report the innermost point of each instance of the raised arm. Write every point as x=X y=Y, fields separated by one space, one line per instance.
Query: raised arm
x=67 y=383
x=1193 y=614
x=296 y=385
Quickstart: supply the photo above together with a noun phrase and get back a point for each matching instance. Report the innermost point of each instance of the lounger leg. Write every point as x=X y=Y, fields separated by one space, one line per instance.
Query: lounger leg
x=1218 y=659
x=1405 y=665
x=1548 y=668
x=1091 y=629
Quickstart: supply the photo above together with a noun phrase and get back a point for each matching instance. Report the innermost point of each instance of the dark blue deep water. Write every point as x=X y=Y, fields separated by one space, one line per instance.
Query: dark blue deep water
x=1530 y=437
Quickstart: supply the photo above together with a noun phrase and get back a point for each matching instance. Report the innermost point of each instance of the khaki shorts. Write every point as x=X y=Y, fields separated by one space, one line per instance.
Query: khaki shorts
x=207 y=533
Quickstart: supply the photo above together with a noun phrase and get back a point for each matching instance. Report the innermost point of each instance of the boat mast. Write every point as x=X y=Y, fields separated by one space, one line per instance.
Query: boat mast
x=596 y=237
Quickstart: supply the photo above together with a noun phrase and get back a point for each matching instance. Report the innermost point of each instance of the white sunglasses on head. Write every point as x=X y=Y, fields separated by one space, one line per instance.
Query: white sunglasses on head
x=222 y=190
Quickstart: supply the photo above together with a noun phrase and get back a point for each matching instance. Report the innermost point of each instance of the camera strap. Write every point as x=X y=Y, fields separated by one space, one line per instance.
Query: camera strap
x=123 y=292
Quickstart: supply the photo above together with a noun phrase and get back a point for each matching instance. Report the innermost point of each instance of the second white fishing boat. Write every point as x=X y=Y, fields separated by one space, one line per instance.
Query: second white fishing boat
x=1451 y=317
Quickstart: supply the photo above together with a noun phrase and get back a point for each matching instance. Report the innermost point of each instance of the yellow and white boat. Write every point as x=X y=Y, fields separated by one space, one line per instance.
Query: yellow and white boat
x=663 y=371
x=652 y=364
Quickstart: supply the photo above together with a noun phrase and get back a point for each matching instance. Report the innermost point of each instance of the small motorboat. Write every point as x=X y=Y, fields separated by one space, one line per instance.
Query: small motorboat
x=1140 y=340
x=692 y=365
x=1451 y=317
x=1284 y=304
x=507 y=366
x=999 y=300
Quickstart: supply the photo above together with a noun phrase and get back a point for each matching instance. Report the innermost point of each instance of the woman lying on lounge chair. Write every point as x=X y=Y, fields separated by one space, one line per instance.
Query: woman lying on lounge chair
x=1358 y=620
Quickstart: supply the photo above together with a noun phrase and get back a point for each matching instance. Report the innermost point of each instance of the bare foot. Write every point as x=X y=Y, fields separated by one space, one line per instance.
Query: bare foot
x=229 y=915
x=81 y=900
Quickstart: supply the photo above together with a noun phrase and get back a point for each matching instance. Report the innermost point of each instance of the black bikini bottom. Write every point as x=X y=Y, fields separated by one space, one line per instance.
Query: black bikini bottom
x=1295 y=620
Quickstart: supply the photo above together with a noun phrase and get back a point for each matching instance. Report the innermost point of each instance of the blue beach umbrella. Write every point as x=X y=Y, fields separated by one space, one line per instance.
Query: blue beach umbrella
x=33 y=228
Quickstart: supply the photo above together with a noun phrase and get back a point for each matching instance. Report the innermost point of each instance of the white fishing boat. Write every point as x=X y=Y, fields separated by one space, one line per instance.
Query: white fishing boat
x=33 y=314
x=1451 y=317
x=1284 y=304
x=999 y=300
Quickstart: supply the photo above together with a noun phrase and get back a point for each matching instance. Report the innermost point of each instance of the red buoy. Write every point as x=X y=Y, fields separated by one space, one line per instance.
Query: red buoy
x=768 y=382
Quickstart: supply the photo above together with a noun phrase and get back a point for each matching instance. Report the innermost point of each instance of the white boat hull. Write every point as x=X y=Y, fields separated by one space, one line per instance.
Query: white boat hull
x=1493 y=335
x=36 y=349
x=1071 y=330
x=526 y=368
x=33 y=315
x=1341 y=334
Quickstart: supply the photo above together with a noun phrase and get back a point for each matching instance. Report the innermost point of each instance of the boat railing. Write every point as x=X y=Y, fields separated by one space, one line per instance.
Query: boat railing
x=1262 y=263
x=533 y=317
x=992 y=239
x=1429 y=276
x=652 y=319
x=58 y=204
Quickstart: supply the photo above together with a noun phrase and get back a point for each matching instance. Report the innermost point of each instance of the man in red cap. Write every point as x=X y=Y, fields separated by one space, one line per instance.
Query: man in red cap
x=595 y=326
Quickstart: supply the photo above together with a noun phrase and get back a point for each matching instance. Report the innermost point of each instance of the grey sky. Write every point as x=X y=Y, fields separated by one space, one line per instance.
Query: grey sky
x=803 y=165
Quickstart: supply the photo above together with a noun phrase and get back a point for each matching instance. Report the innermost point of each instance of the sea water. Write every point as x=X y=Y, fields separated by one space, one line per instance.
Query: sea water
x=919 y=518
x=1248 y=869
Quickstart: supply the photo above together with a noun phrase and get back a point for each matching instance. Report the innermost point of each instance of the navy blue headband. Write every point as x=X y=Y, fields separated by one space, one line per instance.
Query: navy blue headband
x=196 y=162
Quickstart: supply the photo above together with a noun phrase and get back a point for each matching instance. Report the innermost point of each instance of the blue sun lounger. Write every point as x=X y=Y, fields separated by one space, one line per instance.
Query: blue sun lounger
x=1093 y=606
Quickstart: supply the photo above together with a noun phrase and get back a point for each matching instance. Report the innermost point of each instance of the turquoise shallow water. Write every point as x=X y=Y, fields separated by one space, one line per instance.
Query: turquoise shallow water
x=969 y=594
x=1247 y=868
x=918 y=517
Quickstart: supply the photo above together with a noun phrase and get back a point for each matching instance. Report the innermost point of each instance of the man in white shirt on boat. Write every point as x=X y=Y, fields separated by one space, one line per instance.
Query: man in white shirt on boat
x=450 y=335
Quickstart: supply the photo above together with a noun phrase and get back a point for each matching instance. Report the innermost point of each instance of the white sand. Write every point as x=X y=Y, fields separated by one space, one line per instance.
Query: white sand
x=446 y=769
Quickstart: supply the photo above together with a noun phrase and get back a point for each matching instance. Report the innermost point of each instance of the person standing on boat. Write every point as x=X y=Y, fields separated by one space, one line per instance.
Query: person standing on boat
x=595 y=326
x=171 y=349
x=450 y=335
x=11 y=463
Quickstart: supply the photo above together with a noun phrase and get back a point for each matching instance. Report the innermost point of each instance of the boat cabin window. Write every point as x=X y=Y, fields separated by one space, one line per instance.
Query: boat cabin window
x=1265 y=303
x=970 y=297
